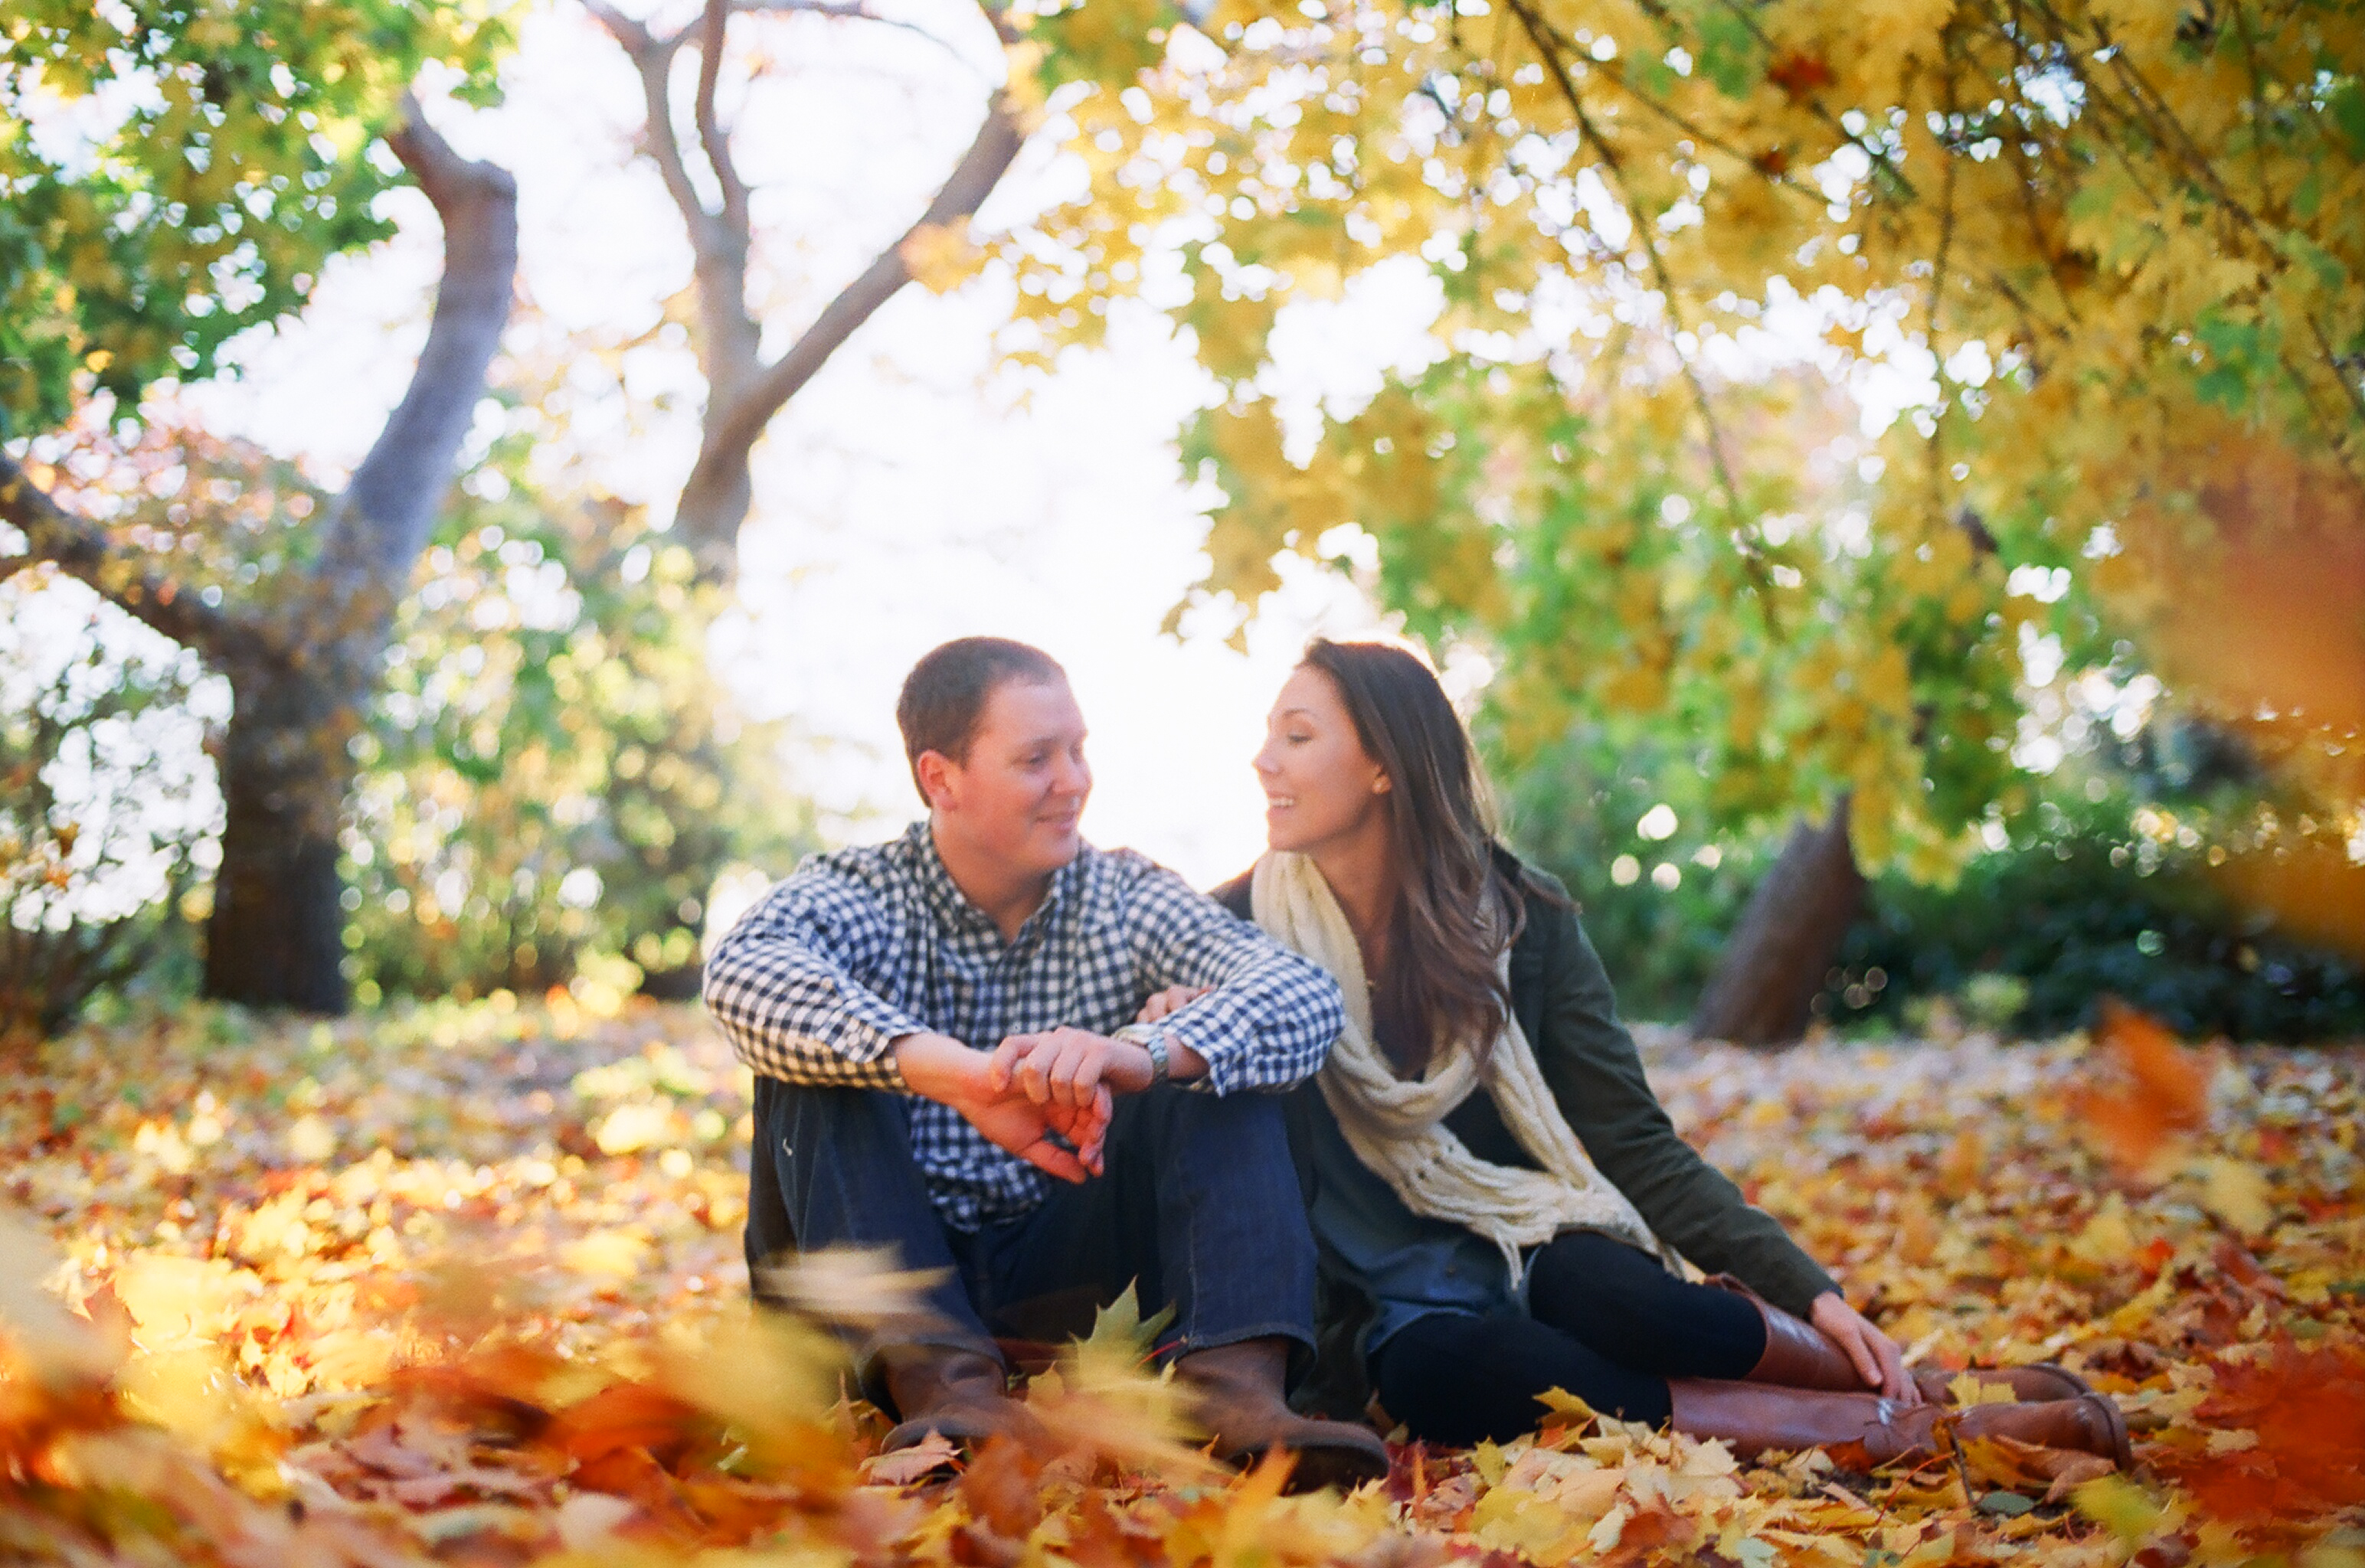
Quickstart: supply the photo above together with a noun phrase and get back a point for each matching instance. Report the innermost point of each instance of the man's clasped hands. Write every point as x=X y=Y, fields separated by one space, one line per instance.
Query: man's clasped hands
x=1046 y=1097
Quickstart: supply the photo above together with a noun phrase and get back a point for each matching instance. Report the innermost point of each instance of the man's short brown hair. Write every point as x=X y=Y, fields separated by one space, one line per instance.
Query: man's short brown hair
x=945 y=694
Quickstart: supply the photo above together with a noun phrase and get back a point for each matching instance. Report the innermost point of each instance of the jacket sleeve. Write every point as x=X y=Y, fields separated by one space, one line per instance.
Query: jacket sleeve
x=793 y=985
x=1589 y=1061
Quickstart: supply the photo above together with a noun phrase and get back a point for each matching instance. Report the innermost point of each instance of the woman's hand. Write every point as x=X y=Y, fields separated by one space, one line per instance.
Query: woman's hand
x=1173 y=999
x=1878 y=1360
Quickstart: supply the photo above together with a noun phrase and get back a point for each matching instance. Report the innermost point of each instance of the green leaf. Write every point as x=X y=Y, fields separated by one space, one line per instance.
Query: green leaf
x=2308 y=199
x=1120 y=1327
x=1730 y=54
x=2346 y=108
x=2327 y=266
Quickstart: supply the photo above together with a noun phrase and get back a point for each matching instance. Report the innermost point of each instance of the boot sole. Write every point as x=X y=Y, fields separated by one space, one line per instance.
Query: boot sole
x=965 y=1431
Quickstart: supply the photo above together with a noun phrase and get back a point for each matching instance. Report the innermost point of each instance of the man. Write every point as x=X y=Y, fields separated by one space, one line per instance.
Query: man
x=941 y=1032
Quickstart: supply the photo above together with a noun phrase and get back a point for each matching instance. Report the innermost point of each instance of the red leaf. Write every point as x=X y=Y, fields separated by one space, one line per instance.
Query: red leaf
x=1798 y=74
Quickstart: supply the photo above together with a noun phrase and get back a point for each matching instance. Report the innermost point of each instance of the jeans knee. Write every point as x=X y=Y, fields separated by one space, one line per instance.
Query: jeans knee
x=1247 y=1120
x=803 y=1124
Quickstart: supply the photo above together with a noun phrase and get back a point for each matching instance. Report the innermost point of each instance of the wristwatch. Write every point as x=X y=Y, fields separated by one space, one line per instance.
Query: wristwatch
x=1151 y=1038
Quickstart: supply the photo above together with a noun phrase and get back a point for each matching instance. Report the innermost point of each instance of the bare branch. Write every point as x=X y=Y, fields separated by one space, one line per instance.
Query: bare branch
x=652 y=57
x=636 y=38
x=381 y=523
x=1613 y=71
x=625 y=30
x=844 y=10
x=81 y=550
x=729 y=437
x=997 y=14
x=710 y=129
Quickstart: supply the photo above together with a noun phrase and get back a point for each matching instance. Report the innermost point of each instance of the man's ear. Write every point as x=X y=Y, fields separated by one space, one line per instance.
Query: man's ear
x=936 y=772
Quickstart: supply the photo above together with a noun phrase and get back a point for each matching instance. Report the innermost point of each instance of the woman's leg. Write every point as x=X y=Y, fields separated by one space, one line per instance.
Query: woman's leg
x=1619 y=1302
x=1456 y=1380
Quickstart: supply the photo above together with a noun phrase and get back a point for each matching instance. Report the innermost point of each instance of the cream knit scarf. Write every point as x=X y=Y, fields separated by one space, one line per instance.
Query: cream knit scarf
x=1398 y=1128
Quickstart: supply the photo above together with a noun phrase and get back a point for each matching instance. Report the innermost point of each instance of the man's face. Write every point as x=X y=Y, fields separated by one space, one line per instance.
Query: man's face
x=1018 y=795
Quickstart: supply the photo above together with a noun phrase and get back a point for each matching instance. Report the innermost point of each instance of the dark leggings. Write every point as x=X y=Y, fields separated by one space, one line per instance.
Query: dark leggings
x=1606 y=1323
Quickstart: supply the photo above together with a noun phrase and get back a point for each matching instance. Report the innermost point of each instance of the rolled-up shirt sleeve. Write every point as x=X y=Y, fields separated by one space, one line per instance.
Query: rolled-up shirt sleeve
x=793 y=986
x=1271 y=1016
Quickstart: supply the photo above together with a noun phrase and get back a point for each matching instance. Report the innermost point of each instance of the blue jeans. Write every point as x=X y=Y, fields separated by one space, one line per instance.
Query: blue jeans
x=1199 y=1208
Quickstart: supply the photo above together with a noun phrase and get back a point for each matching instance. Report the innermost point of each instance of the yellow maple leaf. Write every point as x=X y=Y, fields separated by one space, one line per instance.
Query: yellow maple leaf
x=1968 y=1389
x=2107 y=1237
x=2236 y=1191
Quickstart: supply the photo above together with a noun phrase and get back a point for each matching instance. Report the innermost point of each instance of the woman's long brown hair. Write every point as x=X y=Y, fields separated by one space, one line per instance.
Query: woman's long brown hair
x=1454 y=911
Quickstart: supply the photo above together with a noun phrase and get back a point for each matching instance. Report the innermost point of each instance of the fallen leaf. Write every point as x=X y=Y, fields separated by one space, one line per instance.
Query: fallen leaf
x=930 y=1454
x=2155 y=1089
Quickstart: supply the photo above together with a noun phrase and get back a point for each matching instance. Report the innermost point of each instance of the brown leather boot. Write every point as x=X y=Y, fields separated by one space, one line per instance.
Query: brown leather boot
x=963 y=1394
x=1798 y=1354
x=1752 y=1417
x=2042 y=1382
x=1239 y=1400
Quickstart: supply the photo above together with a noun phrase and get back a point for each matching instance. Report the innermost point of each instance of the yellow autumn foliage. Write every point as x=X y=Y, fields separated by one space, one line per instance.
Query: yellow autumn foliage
x=2120 y=243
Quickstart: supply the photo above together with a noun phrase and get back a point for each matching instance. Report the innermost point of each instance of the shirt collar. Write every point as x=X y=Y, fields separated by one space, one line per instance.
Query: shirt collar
x=953 y=908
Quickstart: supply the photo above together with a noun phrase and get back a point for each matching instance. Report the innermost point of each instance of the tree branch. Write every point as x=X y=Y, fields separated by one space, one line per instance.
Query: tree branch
x=731 y=437
x=382 y=523
x=652 y=57
x=81 y=550
x=1881 y=160
x=710 y=129
x=842 y=10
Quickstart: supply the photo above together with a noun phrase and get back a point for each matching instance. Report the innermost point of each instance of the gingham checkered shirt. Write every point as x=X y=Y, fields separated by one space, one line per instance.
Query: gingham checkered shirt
x=864 y=945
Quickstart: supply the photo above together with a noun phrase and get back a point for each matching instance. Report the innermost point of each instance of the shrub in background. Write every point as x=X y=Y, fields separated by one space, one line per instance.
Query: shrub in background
x=1626 y=828
x=2102 y=887
x=109 y=816
x=550 y=778
x=552 y=775
x=2094 y=897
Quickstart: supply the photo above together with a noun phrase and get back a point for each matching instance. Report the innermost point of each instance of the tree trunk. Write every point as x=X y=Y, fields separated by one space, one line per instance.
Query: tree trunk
x=1764 y=989
x=714 y=501
x=301 y=674
x=275 y=938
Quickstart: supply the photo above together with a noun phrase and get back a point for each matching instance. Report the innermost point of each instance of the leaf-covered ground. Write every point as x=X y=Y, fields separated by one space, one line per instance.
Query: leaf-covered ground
x=463 y=1285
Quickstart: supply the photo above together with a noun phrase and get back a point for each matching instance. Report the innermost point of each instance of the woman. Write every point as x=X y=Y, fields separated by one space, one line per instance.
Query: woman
x=1489 y=1167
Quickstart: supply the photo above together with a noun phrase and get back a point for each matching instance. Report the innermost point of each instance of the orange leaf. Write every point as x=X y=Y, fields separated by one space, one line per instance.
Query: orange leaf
x=627 y=1416
x=2154 y=1088
x=632 y=1474
x=2308 y=1410
x=1655 y=1527
x=999 y=1485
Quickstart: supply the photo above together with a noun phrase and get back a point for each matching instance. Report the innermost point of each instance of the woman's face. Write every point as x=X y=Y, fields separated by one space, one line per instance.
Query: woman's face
x=1320 y=786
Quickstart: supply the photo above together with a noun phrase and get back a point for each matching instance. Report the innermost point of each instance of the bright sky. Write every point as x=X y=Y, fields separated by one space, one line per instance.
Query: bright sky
x=907 y=496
